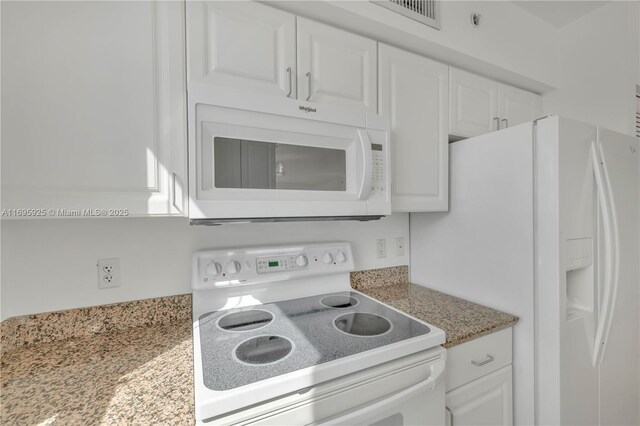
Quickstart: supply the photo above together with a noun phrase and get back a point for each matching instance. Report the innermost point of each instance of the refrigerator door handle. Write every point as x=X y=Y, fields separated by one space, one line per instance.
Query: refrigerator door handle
x=611 y=263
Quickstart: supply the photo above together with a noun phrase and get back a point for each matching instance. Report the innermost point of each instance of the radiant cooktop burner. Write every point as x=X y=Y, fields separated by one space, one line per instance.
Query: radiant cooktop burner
x=339 y=301
x=263 y=350
x=245 y=320
x=246 y=345
x=362 y=324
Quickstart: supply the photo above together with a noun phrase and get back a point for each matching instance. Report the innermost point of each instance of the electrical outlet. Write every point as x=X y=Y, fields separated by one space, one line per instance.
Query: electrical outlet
x=109 y=273
x=400 y=246
x=381 y=248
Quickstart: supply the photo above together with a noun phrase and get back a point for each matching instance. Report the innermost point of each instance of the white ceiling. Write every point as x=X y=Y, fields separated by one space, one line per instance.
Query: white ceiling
x=559 y=12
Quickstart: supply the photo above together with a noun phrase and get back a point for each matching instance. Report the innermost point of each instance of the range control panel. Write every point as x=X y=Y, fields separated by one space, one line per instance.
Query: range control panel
x=241 y=266
x=295 y=262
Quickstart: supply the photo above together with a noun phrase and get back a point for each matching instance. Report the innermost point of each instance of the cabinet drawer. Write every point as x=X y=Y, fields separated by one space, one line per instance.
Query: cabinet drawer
x=472 y=360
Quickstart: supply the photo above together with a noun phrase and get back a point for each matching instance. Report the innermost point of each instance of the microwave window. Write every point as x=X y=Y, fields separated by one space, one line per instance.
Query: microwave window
x=267 y=165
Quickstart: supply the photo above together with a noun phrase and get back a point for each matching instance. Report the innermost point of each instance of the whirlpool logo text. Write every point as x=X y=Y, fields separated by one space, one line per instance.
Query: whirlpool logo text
x=306 y=108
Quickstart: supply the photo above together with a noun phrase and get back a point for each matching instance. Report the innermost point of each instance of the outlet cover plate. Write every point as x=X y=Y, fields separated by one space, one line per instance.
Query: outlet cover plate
x=109 y=273
x=400 y=246
x=381 y=248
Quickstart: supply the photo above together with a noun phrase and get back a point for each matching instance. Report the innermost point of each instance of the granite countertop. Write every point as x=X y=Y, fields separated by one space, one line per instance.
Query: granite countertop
x=460 y=319
x=126 y=363
x=142 y=375
x=132 y=363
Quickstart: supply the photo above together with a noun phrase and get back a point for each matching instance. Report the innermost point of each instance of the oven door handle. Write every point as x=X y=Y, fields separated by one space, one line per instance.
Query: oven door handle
x=367 y=164
x=386 y=405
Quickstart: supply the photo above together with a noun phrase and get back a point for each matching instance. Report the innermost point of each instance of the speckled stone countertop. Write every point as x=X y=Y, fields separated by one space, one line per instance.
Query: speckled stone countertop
x=127 y=363
x=142 y=375
x=460 y=319
x=132 y=363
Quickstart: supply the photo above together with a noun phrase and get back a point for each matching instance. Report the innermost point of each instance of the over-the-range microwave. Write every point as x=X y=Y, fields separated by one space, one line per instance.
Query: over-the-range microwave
x=262 y=158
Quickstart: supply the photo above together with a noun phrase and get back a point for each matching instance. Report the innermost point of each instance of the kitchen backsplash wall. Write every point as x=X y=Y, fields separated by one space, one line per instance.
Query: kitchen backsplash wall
x=50 y=265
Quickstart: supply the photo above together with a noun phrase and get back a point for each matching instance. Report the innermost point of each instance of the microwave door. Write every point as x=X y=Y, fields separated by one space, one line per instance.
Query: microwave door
x=246 y=164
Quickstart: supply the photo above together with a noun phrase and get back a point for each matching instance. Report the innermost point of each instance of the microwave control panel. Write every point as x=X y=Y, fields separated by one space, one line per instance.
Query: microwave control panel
x=378 y=178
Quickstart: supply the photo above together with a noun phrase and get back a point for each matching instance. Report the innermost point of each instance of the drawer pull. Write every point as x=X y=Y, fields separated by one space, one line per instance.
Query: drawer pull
x=483 y=362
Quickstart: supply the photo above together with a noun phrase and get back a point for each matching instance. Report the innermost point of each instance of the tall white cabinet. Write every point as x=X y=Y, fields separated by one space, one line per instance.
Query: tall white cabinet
x=93 y=107
x=413 y=94
x=479 y=105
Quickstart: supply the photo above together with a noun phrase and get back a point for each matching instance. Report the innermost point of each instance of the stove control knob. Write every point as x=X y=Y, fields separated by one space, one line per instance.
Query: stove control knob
x=233 y=267
x=340 y=257
x=213 y=268
x=327 y=258
x=301 y=261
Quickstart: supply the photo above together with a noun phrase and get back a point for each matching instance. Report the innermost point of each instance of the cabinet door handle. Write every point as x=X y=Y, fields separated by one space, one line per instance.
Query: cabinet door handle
x=175 y=183
x=308 y=85
x=506 y=123
x=483 y=362
x=496 y=122
x=450 y=415
x=290 y=82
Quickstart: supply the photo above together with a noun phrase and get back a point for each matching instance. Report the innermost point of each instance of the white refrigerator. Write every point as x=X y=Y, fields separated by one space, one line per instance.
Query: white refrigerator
x=544 y=223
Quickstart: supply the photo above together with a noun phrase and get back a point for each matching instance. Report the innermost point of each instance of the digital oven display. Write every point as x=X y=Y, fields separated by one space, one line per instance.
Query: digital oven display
x=273 y=263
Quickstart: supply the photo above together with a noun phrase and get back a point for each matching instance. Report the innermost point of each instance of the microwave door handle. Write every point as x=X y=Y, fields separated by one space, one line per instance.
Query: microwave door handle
x=386 y=405
x=367 y=164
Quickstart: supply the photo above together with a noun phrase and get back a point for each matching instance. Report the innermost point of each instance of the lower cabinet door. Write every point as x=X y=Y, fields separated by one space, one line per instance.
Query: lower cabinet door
x=485 y=401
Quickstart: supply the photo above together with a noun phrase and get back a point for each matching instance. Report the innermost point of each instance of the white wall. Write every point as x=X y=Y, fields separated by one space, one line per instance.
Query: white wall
x=598 y=68
x=50 y=264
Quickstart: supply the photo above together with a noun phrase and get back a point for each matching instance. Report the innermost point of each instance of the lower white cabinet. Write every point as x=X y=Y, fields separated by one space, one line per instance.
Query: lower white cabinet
x=412 y=92
x=93 y=108
x=479 y=381
x=485 y=401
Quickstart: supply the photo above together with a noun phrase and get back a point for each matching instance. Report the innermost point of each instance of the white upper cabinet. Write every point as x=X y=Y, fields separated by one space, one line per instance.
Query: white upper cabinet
x=93 y=107
x=473 y=104
x=517 y=106
x=335 y=66
x=242 y=44
x=250 y=46
x=413 y=94
x=479 y=105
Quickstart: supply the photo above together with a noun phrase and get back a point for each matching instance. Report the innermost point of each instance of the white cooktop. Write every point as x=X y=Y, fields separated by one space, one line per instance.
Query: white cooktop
x=266 y=323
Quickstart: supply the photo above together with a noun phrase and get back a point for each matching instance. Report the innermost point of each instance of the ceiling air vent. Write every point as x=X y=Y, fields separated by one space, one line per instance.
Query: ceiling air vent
x=425 y=11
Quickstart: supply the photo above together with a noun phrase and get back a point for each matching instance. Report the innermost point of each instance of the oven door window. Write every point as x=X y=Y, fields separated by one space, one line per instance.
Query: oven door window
x=247 y=164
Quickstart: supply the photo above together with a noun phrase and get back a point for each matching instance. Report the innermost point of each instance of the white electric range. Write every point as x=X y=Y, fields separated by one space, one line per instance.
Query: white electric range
x=281 y=338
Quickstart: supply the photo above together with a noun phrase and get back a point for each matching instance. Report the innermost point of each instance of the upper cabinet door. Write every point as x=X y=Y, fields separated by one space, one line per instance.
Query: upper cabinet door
x=93 y=107
x=413 y=94
x=473 y=107
x=336 y=66
x=241 y=44
x=517 y=106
